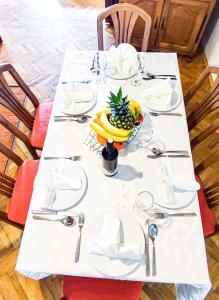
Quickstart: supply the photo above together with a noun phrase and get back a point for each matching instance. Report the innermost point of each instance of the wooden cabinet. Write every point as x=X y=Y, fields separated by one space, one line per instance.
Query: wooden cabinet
x=177 y=25
x=181 y=24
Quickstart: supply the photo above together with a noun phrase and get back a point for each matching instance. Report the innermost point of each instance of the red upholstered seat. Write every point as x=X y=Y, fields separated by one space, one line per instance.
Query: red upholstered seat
x=40 y=124
x=208 y=218
x=19 y=203
x=83 y=288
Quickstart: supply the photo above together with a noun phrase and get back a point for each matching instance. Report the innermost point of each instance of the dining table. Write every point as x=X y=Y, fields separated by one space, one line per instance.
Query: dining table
x=49 y=247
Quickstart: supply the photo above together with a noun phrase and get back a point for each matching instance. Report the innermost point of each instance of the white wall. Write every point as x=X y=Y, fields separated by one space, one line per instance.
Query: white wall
x=211 y=38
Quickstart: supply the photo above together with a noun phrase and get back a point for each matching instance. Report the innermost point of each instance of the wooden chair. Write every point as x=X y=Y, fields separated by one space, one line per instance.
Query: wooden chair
x=124 y=17
x=38 y=123
x=209 y=103
x=75 y=288
x=18 y=191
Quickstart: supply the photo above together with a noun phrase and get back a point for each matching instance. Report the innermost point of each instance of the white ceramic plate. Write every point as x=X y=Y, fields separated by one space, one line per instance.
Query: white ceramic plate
x=111 y=72
x=182 y=198
x=78 y=108
x=66 y=199
x=175 y=101
x=116 y=267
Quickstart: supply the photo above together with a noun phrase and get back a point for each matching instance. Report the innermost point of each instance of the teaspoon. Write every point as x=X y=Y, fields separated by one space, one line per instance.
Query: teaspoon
x=67 y=220
x=153 y=232
x=158 y=152
x=82 y=119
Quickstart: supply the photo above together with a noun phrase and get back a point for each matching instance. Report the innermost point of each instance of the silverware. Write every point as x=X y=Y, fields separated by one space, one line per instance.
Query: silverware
x=72 y=116
x=80 y=224
x=78 y=120
x=73 y=158
x=154 y=78
x=50 y=212
x=147 y=253
x=153 y=232
x=92 y=69
x=157 y=151
x=67 y=220
x=156 y=114
x=168 y=155
x=159 y=75
x=77 y=81
x=162 y=215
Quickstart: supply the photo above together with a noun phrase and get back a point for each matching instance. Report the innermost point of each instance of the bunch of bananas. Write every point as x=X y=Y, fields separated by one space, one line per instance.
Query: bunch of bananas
x=103 y=128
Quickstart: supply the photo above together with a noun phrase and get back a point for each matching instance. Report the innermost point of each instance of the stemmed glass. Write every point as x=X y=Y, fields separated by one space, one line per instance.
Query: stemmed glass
x=100 y=67
x=143 y=203
x=137 y=80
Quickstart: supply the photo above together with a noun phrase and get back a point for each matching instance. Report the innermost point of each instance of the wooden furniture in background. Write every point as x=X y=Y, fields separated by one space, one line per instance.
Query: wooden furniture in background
x=38 y=123
x=210 y=101
x=177 y=25
x=124 y=17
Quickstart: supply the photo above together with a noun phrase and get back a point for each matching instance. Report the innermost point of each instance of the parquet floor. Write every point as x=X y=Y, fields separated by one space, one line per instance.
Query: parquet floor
x=36 y=34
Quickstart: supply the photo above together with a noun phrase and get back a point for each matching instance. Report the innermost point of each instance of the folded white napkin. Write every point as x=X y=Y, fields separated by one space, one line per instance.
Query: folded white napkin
x=123 y=59
x=108 y=242
x=170 y=184
x=160 y=95
x=53 y=181
x=73 y=94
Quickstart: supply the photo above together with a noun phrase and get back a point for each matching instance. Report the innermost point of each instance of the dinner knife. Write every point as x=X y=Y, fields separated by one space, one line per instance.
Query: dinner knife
x=147 y=253
x=168 y=155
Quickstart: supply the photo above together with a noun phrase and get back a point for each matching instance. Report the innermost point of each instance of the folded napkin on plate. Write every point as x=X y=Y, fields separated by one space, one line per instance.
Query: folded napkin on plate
x=170 y=183
x=72 y=94
x=123 y=58
x=52 y=181
x=160 y=95
x=108 y=243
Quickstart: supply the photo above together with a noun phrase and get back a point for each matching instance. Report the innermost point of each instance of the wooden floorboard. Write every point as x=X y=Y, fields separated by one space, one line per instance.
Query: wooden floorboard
x=36 y=34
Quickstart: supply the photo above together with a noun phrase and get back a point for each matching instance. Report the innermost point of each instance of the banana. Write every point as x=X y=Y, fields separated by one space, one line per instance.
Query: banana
x=132 y=111
x=112 y=129
x=135 y=104
x=98 y=129
x=106 y=111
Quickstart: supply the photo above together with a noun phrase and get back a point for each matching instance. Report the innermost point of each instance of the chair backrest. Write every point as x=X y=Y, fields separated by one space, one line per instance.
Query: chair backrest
x=209 y=103
x=9 y=99
x=124 y=17
x=6 y=182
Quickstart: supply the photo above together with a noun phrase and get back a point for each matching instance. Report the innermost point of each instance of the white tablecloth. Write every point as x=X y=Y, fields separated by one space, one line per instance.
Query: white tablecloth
x=49 y=247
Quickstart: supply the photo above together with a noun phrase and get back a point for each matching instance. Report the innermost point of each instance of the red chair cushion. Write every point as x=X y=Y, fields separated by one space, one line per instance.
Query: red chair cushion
x=19 y=203
x=208 y=218
x=83 y=288
x=40 y=125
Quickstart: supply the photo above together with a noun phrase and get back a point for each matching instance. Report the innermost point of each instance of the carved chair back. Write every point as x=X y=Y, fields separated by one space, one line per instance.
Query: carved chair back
x=124 y=17
x=9 y=99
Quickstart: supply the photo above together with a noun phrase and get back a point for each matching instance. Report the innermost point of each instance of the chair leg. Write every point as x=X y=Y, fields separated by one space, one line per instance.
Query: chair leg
x=4 y=218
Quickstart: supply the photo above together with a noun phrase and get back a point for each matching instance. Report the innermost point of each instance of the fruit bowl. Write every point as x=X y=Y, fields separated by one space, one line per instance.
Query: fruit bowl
x=118 y=121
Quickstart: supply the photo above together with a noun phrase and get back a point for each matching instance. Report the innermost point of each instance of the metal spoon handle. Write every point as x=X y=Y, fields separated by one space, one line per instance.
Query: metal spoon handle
x=46 y=218
x=78 y=247
x=183 y=215
x=154 y=267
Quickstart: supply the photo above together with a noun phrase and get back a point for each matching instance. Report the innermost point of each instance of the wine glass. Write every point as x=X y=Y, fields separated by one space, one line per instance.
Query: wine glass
x=100 y=66
x=143 y=203
x=137 y=80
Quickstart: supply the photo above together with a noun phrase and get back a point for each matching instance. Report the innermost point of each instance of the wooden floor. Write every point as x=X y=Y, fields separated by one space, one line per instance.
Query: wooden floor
x=36 y=34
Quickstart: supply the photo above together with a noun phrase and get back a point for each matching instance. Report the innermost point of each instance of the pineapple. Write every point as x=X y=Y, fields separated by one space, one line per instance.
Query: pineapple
x=120 y=113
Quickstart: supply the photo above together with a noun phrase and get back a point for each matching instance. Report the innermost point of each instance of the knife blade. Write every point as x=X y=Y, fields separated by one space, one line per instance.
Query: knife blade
x=168 y=155
x=147 y=253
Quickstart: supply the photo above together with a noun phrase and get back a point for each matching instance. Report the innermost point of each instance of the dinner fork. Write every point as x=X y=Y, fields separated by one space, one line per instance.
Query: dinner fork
x=73 y=158
x=80 y=224
x=162 y=215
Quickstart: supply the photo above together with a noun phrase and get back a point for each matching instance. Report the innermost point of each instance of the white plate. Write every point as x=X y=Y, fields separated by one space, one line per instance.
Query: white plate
x=116 y=267
x=66 y=199
x=111 y=72
x=182 y=198
x=79 y=108
x=175 y=101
